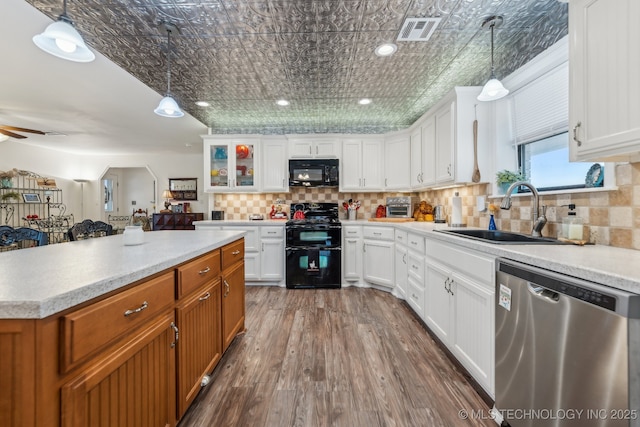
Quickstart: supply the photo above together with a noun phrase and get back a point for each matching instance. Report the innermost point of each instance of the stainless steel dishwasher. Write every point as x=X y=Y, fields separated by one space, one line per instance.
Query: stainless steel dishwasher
x=567 y=350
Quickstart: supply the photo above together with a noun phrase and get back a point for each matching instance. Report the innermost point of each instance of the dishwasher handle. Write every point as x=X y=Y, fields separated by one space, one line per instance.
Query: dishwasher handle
x=542 y=292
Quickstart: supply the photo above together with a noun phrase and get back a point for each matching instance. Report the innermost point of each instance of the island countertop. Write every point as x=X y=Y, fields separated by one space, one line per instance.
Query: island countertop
x=41 y=281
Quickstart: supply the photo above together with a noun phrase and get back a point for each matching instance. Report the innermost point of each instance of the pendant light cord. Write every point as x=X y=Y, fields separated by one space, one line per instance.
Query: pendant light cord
x=493 y=74
x=168 y=61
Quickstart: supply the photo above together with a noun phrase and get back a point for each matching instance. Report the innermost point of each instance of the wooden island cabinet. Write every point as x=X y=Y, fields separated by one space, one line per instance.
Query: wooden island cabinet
x=133 y=357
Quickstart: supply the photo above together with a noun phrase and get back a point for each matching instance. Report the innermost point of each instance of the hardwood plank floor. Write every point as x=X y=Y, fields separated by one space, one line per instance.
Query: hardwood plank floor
x=347 y=357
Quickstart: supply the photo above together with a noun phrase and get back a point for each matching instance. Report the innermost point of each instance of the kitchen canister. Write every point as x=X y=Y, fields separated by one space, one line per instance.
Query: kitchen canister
x=133 y=235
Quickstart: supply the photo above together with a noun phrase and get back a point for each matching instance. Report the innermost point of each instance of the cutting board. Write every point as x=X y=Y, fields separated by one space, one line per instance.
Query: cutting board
x=392 y=219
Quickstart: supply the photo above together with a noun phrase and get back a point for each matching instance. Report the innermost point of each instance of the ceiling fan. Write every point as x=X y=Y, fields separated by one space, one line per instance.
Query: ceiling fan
x=11 y=131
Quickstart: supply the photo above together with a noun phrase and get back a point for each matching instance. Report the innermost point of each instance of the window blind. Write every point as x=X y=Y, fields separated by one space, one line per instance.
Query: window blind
x=541 y=108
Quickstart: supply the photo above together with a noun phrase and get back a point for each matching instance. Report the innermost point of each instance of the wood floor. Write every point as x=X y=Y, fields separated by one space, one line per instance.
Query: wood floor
x=347 y=357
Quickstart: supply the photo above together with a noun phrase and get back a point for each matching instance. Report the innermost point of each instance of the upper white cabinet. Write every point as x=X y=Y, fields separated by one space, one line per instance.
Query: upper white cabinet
x=604 y=89
x=454 y=117
x=274 y=166
x=361 y=167
x=396 y=158
x=230 y=164
x=308 y=148
x=423 y=148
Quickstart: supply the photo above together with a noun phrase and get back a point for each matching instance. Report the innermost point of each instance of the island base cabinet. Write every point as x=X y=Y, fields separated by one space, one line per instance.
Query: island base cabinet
x=132 y=386
x=233 y=307
x=200 y=344
x=17 y=376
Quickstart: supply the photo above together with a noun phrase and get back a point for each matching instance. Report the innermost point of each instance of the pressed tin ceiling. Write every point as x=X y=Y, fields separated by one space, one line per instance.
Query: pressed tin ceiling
x=241 y=56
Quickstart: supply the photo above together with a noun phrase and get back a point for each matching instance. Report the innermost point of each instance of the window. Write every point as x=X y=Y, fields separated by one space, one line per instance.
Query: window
x=545 y=163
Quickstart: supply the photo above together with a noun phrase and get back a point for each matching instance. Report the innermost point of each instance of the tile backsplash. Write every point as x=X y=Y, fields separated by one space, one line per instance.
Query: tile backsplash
x=610 y=217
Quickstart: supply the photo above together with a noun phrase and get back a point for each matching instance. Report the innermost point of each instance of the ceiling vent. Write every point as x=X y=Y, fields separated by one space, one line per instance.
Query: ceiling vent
x=418 y=29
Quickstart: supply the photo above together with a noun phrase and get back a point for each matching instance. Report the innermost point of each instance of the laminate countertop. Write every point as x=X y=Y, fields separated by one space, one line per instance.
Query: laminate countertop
x=607 y=265
x=41 y=281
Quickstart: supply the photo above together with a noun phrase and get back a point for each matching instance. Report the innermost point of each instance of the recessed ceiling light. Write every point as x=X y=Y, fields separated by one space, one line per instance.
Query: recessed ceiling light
x=282 y=102
x=202 y=104
x=364 y=101
x=386 y=49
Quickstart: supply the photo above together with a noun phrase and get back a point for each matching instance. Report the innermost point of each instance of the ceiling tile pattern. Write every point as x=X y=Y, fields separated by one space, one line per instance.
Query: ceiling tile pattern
x=241 y=56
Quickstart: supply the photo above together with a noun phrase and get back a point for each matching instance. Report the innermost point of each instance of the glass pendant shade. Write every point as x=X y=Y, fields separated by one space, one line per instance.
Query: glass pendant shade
x=61 y=39
x=493 y=90
x=168 y=107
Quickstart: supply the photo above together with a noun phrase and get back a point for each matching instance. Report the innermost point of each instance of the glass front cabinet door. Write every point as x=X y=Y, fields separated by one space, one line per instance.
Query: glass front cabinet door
x=230 y=165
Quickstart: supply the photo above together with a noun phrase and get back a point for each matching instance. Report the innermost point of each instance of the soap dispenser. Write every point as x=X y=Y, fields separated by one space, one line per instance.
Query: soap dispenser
x=572 y=225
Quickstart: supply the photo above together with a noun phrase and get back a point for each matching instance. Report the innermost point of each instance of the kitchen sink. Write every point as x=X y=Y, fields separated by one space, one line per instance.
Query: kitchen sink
x=503 y=237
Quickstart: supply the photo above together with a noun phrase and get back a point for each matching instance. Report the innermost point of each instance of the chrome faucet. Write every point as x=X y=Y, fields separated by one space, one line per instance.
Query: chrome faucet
x=538 y=220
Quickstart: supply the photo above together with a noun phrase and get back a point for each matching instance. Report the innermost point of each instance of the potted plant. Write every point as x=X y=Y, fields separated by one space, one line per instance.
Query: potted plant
x=505 y=178
x=11 y=195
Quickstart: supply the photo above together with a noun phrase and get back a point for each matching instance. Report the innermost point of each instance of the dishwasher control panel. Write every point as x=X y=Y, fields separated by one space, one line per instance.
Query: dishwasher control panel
x=556 y=283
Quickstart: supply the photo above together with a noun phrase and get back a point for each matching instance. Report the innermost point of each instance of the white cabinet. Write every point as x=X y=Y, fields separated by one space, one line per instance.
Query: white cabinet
x=308 y=148
x=401 y=263
x=378 y=256
x=444 y=155
x=361 y=167
x=416 y=273
x=460 y=306
x=352 y=254
x=272 y=253
x=274 y=166
x=264 y=250
x=604 y=89
x=423 y=148
x=230 y=164
x=396 y=158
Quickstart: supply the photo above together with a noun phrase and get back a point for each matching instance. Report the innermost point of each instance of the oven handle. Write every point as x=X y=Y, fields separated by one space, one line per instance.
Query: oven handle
x=306 y=248
x=312 y=227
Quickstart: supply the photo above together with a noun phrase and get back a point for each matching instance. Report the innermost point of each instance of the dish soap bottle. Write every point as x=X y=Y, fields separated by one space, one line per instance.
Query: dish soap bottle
x=572 y=225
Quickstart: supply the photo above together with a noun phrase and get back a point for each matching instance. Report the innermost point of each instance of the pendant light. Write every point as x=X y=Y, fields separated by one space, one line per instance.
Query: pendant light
x=168 y=106
x=61 y=39
x=493 y=89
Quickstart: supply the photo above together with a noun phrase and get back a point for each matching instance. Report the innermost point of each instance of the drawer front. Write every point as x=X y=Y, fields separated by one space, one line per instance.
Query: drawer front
x=415 y=297
x=272 y=232
x=197 y=272
x=88 y=329
x=351 y=231
x=416 y=242
x=232 y=253
x=401 y=237
x=379 y=233
x=415 y=266
x=466 y=261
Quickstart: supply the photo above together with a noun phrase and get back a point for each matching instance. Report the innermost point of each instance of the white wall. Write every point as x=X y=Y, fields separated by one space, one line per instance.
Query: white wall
x=55 y=164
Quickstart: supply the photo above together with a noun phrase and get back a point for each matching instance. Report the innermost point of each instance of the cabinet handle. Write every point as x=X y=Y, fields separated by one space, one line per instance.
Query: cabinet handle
x=176 y=334
x=414 y=243
x=359 y=182
x=271 y=232
x=404 y=258
x=263 y=247
x=385 y=182
x=310 y=152
x=415 y=267
x=317 y=152
x=575 y=133
x=421 y=177
x=205 y=271
x=136 y=310
x=227 y=288
x=205 y=297
x=377 y=234
x=364 y=182
x=235 y=252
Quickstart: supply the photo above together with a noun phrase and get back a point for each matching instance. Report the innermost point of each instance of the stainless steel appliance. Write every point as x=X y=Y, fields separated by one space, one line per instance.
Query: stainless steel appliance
x=314 y=246
x=567 y=350
x=401 y=207
x=313 y=173
x=439 y=214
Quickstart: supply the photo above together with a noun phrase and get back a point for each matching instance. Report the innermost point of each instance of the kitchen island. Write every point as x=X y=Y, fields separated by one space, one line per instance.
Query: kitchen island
x=94 y=332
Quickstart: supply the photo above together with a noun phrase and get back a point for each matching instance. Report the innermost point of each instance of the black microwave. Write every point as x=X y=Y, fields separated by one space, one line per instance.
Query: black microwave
x=313 y=173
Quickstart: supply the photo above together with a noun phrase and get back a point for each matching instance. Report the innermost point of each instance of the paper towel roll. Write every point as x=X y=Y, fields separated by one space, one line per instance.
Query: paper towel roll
x=456 y=210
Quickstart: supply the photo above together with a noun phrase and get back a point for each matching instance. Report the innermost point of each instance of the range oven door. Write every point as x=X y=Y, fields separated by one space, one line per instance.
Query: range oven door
x=314 y=267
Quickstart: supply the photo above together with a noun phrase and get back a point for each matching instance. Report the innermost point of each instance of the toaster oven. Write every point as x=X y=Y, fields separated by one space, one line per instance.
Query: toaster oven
x=401 y=207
